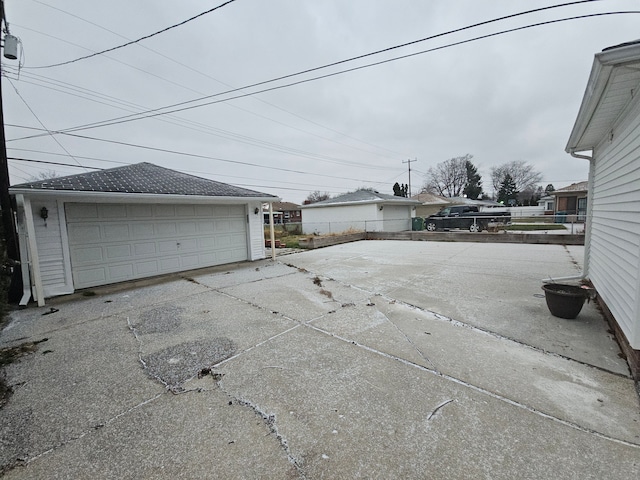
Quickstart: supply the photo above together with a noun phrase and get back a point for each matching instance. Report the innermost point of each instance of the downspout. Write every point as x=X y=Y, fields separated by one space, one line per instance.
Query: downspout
x=587 y=225
x=272 y=232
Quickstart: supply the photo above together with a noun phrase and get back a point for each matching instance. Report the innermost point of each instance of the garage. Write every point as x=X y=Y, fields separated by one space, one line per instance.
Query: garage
x=114 y=242
x=128 y=223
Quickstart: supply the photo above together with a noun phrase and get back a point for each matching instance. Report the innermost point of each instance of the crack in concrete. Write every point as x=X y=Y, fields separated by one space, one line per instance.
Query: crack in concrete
x=269 y=420
x=484 y=391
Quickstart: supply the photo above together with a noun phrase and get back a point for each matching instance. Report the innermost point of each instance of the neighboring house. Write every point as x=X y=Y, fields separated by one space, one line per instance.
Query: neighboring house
x=283 y=212
x=359 y=211
x=430 y=204
x=607 y=129
x=547 y=203
x=571 y=201
x=131 y=222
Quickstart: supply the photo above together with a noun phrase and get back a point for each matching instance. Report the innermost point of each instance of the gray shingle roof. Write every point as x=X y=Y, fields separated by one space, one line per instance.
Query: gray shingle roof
x=363 y=196
x=142 y=178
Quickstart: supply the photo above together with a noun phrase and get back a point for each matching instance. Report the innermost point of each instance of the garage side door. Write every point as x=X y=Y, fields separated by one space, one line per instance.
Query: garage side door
x=116 y=242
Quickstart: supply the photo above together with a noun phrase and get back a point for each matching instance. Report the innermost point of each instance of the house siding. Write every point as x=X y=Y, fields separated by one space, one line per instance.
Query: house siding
x=49 y=240
x=255 y=232
x=614 y=259
x=338 y=219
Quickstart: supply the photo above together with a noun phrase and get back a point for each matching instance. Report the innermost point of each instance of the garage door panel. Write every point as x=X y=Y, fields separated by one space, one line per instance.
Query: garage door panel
x=112 y=211
x=147 y=268
x=82 y=234
x=144 y=249
x=118 y=252
x=164 y=229
x=85 y=255
x=187 y=228
x=115 y=232
x=120 y=272
x=149 y=240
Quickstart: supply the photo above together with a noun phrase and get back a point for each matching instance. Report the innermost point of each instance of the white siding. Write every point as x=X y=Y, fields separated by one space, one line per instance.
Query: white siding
x=614 y=257
x=256 y=232
x=396 y=218
x=49 y=239
x=339 y=219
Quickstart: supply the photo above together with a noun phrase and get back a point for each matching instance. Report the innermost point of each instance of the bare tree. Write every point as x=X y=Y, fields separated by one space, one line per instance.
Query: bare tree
x=449 y=178
x=523 y=175
x=43 y=175
x=316 y=196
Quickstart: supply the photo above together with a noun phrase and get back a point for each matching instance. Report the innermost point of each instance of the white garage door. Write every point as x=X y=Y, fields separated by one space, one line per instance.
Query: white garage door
x=116 y=242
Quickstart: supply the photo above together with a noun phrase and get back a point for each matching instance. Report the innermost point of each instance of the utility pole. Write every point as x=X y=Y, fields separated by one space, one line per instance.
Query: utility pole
x=8 y=225
x=409 y=162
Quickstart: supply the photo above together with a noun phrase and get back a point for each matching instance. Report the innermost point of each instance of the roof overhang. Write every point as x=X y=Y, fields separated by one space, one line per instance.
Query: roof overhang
x=398 y=203
x=613 y=84
x=111 y=197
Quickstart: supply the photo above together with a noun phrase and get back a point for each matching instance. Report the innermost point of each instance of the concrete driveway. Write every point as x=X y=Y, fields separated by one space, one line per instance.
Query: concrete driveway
x=375 y=359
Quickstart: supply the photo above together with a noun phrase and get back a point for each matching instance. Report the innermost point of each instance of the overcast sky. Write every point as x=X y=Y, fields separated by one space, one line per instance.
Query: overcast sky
x=508 y=97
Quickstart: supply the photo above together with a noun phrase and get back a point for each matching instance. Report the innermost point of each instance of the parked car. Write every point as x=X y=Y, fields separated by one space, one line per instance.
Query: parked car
x=467 y=217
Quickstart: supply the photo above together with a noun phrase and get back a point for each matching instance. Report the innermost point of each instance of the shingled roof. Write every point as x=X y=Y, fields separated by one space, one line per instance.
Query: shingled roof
x=142 y=178
x=362 y=197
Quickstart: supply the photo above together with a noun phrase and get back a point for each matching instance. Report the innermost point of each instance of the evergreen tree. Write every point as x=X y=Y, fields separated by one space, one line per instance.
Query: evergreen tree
x=473 y=187
x=397 y=190
x=508 y=192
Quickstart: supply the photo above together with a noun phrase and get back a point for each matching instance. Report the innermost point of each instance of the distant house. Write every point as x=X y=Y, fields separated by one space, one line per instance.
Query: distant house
x=547 y=203
x=607 y=130
x=571 y=201
x=359 y=211
x=128 y=223
x=283 y=212
x=430 y=204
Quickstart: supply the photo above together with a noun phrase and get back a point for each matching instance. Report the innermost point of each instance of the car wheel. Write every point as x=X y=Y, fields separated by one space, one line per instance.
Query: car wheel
x=475 y=228
x=431 y=227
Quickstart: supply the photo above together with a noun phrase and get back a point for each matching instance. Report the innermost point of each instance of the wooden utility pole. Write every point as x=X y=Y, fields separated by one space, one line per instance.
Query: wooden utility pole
x=409 y=162
x=8 y=225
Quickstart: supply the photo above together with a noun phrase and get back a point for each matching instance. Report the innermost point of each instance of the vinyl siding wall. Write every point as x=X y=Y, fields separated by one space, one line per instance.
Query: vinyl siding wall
x=614 y=256
x=51 y=250
x=255 y=231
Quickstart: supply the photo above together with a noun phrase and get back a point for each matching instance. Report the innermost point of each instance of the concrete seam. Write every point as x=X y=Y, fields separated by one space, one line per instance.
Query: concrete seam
x=497 y=396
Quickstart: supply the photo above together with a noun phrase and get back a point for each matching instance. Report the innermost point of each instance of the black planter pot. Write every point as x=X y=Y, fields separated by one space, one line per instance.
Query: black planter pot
x=564 y=301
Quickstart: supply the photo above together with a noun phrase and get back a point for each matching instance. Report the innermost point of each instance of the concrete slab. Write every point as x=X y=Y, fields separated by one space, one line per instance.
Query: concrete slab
x=326 y=364
x=495 y=287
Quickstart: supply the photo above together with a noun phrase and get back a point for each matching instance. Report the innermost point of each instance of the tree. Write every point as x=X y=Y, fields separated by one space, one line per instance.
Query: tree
x=522 y=174
x=397 y=190
x=473 y=187
x=549 y=189
x=507 y=193
x=316 y=196
x=43 y=175
x=450 y=177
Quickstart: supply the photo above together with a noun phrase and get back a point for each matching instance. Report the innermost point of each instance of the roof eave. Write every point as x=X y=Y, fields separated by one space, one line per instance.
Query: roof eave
x=119 y=197
x=603 y=65
x=363 y=202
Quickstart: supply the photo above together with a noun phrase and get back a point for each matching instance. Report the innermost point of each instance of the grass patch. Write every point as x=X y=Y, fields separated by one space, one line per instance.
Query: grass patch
x=530 y=227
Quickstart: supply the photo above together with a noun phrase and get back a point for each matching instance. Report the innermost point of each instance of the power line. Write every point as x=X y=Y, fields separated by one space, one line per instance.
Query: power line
x=195 y=155
x=184 y=65
x=136 y=41
x=200 y=127
x=40 y=121
x=156 y=112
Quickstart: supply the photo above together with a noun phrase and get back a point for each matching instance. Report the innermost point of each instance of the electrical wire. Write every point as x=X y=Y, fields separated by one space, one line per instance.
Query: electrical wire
x=135 y=41
x=40 y=121
x=195 y=155
x=184 y=65
x=203 y=128
x=157 y=112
